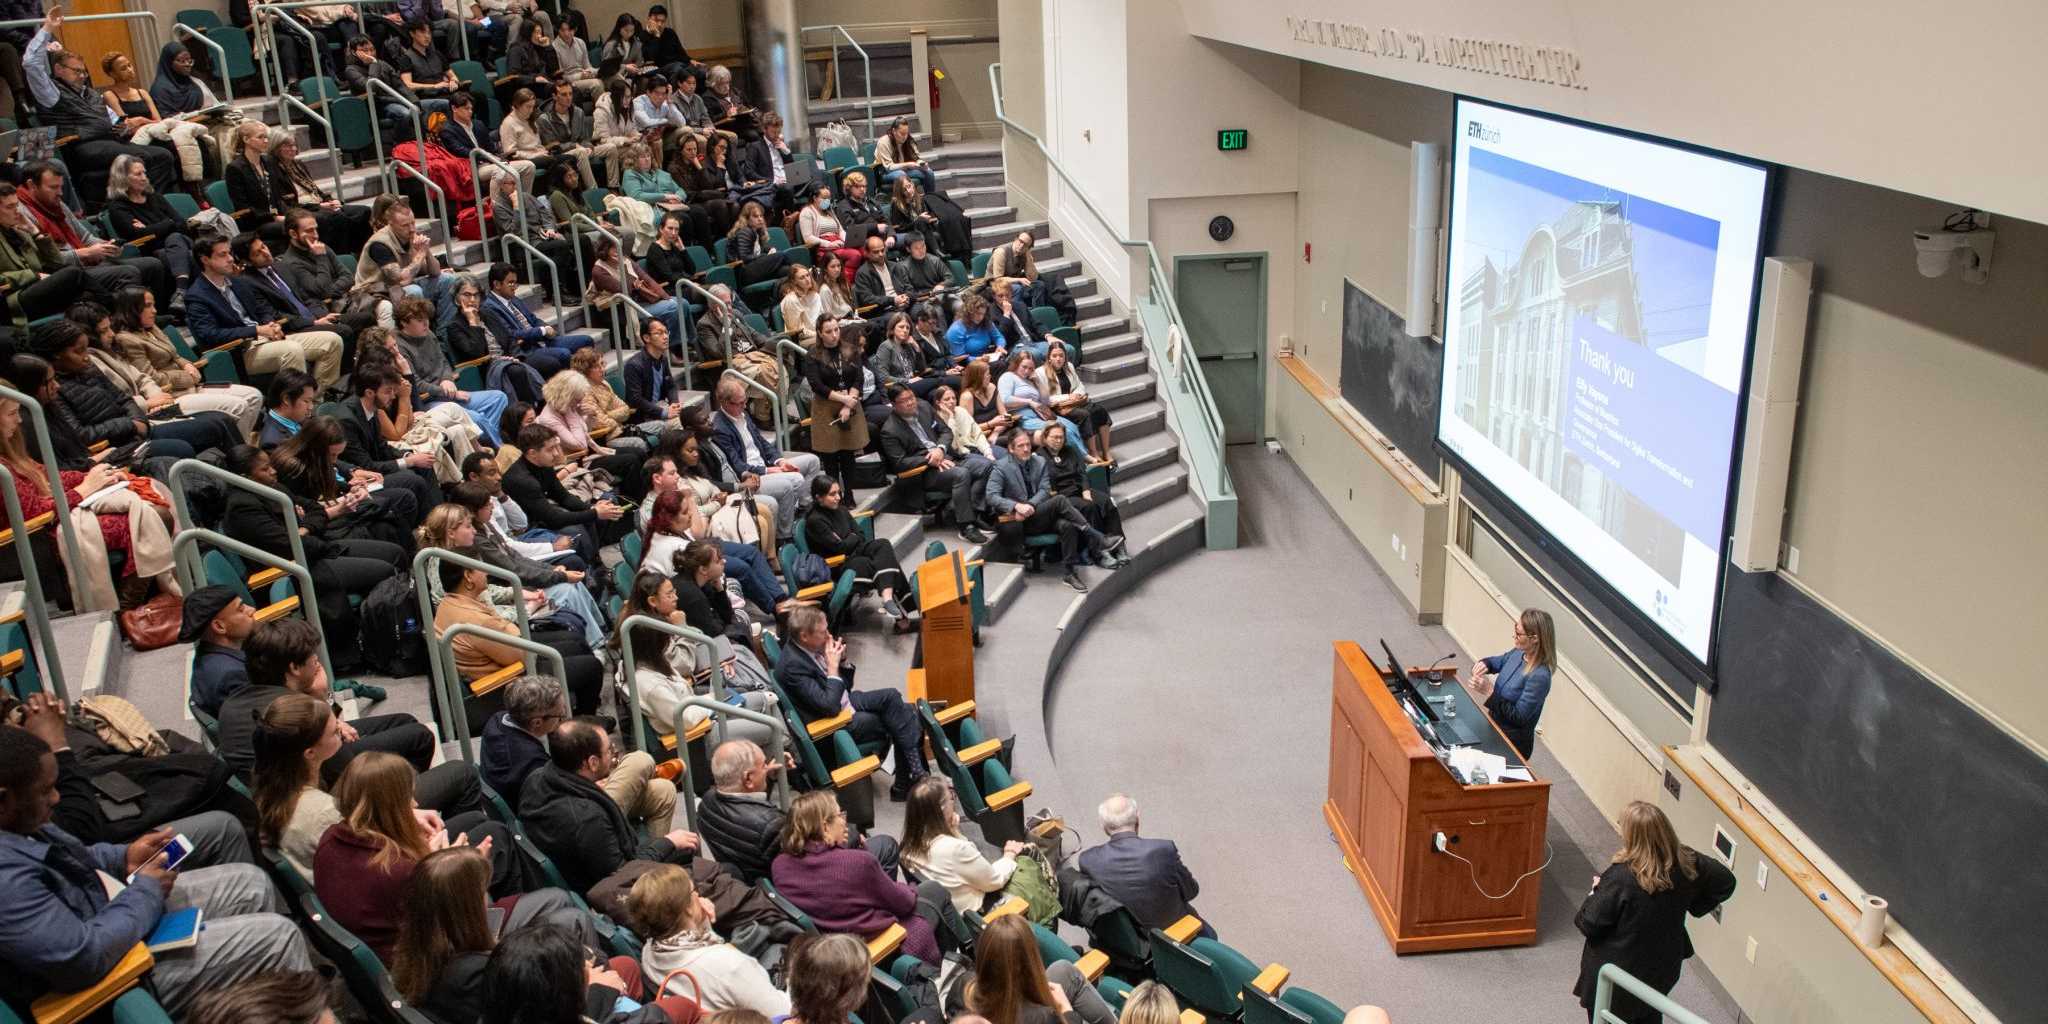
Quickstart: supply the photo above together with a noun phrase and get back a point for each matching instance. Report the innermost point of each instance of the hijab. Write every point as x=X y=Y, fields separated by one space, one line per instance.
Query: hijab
x=174 y=93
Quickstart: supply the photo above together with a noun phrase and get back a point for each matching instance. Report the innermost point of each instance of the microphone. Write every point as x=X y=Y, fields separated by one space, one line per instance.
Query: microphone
x=1436 y=676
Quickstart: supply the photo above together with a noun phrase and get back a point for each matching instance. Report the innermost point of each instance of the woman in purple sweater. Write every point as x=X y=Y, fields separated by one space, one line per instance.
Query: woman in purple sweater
x=846 y=890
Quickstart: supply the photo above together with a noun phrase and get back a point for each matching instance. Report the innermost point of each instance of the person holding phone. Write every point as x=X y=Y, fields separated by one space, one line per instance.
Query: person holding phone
x=1513 y=686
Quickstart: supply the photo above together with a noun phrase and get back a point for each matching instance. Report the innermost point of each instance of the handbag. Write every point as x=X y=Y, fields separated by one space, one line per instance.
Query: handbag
x=154 y=623
x=696 y=991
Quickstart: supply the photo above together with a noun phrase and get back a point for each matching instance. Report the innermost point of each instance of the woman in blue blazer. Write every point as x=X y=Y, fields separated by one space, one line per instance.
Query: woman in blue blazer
x=1514 y=684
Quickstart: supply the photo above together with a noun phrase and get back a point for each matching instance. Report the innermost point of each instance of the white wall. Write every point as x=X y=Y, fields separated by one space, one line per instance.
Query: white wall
x=1087 y=114
x=1934 y=99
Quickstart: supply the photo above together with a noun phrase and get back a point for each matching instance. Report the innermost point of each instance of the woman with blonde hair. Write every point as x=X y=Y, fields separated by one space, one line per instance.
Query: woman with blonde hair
x=1513 y=685
x=667 y=908
x=1635 y=915
x=610 y=413
x=342 y=228
x=364 y=861
x=1013 y=985
x=1150 y=1003
x=132 y=106
x=258 y=197
x=569 y=412
x=802 y=303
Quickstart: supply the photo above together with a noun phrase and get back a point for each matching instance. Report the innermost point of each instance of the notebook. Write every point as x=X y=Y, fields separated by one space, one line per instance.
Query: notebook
x=178 y=929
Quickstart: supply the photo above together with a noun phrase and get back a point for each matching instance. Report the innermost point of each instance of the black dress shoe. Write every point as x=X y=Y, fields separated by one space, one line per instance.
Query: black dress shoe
x=973 y=534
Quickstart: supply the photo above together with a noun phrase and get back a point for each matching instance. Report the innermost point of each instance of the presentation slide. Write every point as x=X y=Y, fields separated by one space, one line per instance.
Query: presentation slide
x=1596 y=327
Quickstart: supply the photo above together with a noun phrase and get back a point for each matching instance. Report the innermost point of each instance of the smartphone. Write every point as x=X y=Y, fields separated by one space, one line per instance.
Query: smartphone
x=176 y=850
x=118 y=788
x=215 y=384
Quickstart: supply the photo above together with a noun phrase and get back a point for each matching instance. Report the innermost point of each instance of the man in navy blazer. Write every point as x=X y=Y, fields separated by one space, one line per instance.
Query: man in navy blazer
x=785 y=476
x=1145 y=875
x=221 y=307
x=815 y=676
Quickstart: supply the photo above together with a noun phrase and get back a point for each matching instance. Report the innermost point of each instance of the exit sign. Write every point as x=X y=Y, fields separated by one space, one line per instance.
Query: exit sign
x=1231 y=139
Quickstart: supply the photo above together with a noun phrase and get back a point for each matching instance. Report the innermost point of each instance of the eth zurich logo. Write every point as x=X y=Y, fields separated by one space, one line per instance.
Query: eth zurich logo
x=1476 y=130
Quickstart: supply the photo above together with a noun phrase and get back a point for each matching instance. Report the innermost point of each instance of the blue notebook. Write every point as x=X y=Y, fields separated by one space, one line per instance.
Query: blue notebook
x=177 y=930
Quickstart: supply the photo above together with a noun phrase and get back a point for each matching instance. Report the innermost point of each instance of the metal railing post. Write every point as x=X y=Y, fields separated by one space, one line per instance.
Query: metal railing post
x=196 y=570
x=37 y=609
x=279 y=16
x=584 y=220
x=452 y=698
x=227 y=82
x=720 y=711
x=440 y=660
x=867 y=67
x=191 y=569
x=483 y=219
x=1612 y=976
x=53 y=475
x=333 y=154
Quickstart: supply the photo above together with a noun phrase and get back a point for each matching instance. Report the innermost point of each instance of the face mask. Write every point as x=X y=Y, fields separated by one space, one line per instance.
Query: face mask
x=824 y=204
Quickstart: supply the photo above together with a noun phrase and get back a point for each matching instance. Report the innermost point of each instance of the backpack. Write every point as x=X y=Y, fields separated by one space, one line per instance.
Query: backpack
x=737 y=521
x=389 y=624
x=809 y=570
x=1032 y=882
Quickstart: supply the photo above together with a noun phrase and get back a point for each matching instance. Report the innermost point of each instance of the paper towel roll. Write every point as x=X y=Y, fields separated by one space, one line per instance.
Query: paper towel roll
x=1870 y=927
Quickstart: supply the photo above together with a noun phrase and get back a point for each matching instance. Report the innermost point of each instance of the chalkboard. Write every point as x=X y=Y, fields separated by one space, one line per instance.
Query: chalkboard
x=1920 y=799
x=1391 y=378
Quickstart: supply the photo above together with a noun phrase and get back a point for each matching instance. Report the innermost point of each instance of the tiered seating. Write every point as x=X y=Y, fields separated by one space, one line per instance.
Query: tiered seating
x=978 y=766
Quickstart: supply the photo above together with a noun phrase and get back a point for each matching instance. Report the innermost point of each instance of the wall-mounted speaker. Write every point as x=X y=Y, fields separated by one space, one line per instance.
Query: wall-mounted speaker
x=1425 y=235
x=1773 y=410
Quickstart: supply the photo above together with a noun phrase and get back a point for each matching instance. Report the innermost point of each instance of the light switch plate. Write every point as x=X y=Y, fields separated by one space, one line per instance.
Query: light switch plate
x=1763 y=874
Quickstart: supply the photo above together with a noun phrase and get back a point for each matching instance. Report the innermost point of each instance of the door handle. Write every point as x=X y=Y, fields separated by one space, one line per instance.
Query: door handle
x=1229 y=357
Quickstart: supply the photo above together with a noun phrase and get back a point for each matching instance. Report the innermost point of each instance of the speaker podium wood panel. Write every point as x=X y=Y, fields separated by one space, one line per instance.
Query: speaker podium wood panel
x=1389 y=796
x=946 y=641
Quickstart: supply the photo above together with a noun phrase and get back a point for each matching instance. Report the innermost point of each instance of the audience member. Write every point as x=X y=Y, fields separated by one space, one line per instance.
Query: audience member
x=448 y=926
x=665 y=667
x=570 y=813
x=101 y=405
x=62 y=89
x=40 y=280
x=544 y=975
x=145 y=219
x=299 y=314
x=830 y=530
x=40 y=195
x=1145 y=875
x=1635 y=915
x=277 y=996
x=666 y=907
x=914 y=436
x=515 y=739
x=842 y=889
x=61 y=930
x=146 y=350
x=533 y=482
x=510 y=317
x=934 y=848
x=1070 y=481
x=216 y=622
x=814 y=673
x=674 y=521
x=768 y=165
x=651 y=386
x=462 y=599
x=430 y=367
x=897 y=157
x=1020 y=495
x=1013 y=984
x=222 y=306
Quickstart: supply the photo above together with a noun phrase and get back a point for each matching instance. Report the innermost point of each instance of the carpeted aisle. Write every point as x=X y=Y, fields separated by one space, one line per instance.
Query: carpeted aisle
x=1205 y=694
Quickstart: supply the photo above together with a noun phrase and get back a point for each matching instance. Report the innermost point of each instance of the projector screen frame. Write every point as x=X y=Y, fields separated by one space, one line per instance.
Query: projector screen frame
x=1644 y=630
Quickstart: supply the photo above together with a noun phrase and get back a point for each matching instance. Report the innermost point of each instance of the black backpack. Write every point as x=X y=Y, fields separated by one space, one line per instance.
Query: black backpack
x=389 y=623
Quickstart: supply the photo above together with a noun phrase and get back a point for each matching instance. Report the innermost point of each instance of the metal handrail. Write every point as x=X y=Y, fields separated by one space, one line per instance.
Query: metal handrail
x=333 y=156
x=227 y=82
x=37 y=609
x=781 y=416
x=419 y=123
x=184 y=468
x=720 y=711
x=483 y=219
x=1184 y=372
x=867 y=69
x=268 y=26
x=147 y=18
x=440 y=660
x=451 y=693
x=618 y=246
x=389 y=176
x=701 y=642
x=190 y=566
x=67 y=535
x=1612 y=976
x=554 y=273
x=789 y=375
x=683 y=310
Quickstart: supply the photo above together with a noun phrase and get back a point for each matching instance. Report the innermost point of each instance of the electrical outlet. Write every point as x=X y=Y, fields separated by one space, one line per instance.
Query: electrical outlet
x=1750 y=950
x=1671 y=782
x=1394 y=541
x=1791 y=559
x=1442 y=844
x=1763 y=876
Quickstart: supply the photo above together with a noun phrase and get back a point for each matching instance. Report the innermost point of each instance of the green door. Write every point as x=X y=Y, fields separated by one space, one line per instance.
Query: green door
x=1223 y=300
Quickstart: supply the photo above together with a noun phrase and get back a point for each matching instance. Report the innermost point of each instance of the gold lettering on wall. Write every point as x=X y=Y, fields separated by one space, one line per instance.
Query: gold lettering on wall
x=1549 y=65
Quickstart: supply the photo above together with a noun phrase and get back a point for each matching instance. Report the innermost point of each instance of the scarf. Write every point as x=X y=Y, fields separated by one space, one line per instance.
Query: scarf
x=684 y=942
x=54 y=223
x=174 y=93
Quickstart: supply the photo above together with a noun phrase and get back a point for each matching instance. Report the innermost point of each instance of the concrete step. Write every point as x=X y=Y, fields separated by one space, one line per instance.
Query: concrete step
x=856 y=105
x=1005 y=580
x=1133 y=462
x=989 y=231
x=1146 y=491
x=968 y=177
x=1100 y=350
x=1091 y=307
x=974 y=200
x=960 y=156
x=1122 y=393
x=1141 y=420
x=1102 y=325
x=1103 y=371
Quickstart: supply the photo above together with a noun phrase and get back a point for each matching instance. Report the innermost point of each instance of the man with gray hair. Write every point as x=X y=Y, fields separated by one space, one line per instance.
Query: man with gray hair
x=515 y=745
x=723 y=333
x=786 y=477
x=742 y=823
x=1146 y=875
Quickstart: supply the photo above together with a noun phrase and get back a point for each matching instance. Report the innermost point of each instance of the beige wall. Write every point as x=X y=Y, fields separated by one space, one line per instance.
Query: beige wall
x=1088 y=117
x=1024 y=91
x=1860 y=91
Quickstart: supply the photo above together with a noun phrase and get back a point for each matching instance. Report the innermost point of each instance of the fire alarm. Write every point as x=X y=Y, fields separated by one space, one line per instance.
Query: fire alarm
x=1221 y=228
x=1307 y=252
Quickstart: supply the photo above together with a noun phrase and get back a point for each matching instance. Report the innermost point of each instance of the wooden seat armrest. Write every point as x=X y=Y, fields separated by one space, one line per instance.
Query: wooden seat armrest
x=141 y=240
x=698 y=731
x=980 y=752
x=34 y=526
x=265 y=578
x=273 y=612
x=67 y=1007
x=835 y=561
x=491 y=681
x=1270 y=979
x=954 y=712
x=11 y=662
x=97 y=447
x=1004 y=798
x=668 y=741
x=976 y=563
x=815 y=592
x=1092 y=965
x=478 y=361
x=847 y=775
x=1013 y=905
x=226 y=346
x=1191 y=1017
x=866 y=513
x=66 y=140
x=824 y=727
x=1184 y=929
x=914 y=471
x=882 y=947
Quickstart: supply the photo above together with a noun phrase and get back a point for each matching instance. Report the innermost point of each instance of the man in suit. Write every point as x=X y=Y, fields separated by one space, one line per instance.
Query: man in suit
x=533 y=485
x=222 y=307
x=508 y=316
x=878 y=284
x=785 y=477
x=1145 y=875
x=912 y=436
x=767 y=161
x=376 y=391
x=301 y=313
x=813 y=671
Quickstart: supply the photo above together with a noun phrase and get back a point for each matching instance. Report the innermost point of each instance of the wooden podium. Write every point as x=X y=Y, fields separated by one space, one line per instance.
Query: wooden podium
x=945 y=668
x=1390 y=796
